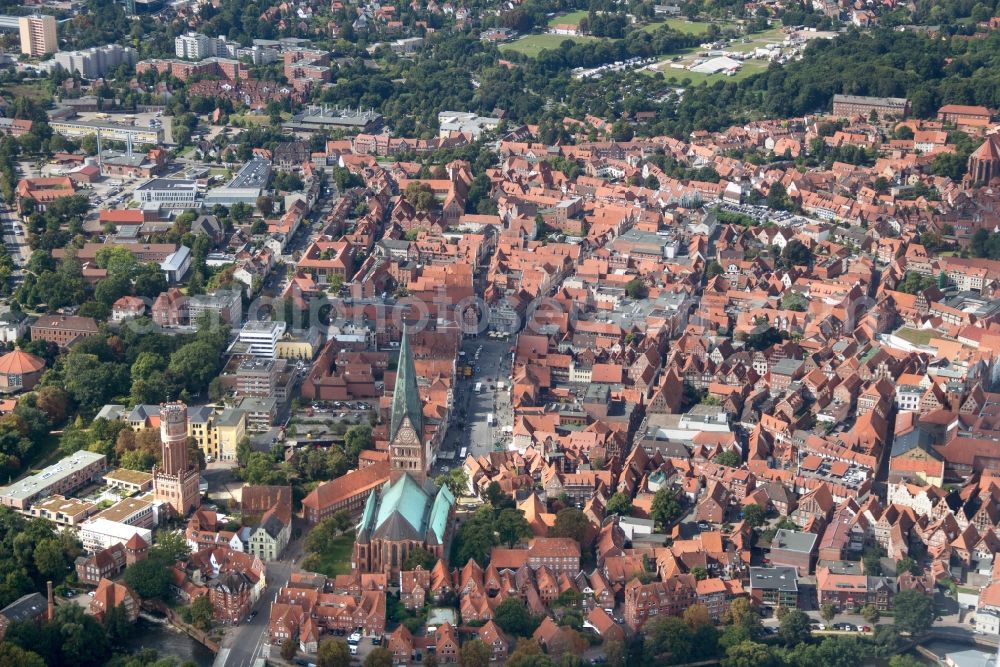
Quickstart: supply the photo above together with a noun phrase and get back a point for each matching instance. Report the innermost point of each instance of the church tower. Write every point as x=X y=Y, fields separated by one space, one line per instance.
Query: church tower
x=407 y=449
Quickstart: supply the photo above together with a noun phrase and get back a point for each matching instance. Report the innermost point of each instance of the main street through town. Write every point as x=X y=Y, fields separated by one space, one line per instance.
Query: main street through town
x=470 y=426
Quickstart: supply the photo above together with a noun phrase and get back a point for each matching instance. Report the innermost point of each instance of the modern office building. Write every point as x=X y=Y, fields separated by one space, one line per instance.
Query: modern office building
x=246 y=186
x=38 y=35
x=169 y=192
x=261 y=338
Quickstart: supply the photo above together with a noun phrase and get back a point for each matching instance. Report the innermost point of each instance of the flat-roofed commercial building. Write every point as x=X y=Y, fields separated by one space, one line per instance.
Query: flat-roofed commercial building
x=169 y=192
x=100 y=533
x=261 y=338
x=316 y=119
x=77 y=129
x=133 y=512
x=61 y=477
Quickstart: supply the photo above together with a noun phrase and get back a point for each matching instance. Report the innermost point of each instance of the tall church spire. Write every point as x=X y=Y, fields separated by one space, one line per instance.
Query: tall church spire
x=406 y=396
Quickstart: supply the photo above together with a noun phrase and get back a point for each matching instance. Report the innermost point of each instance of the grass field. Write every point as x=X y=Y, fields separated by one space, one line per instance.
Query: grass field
x=569 y=18
x=335 y=561
x=915 y=336
x=35 y=91
x=532 y=45
x=681 y=25
x=749 y=68
x=772 y=36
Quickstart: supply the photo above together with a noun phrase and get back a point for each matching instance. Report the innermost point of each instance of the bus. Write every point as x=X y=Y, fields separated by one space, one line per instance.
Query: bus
x=489 y=419
x=464 y=453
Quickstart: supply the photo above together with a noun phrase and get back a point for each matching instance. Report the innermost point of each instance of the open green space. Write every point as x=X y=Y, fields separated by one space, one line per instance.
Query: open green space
x=34 y=90
x=916 y=336
x=336 y=560
x=757 y=40
x=749 y=68
x=532 y=45
x=681 y=25
x=569 y=18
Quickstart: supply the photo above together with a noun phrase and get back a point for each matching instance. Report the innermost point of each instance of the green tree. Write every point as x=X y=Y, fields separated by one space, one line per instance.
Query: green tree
x=636 y=289
x=777 y=198
x=728 y=458
x=457 y=481
x=872 y=560
x=615 y=652
x=512 y=526
x=289 y=648
x=914 y=612
x=750 y=654
x=697 y=616
x=870 y=613
x=379 y=657
x=754 y=515
x=513 y=617
x=475 y=653
x=794 y=628
x=827 y=612
x=420 y=196
x=476 y=537
x=333 y=653
x=796 y=253
x=903 y=660
x=357 y=438
x=907 y=564
x=50 y=558
x=149 y=578
x=265 y=205
x=741 y=614
x=572 y=523
x=202 y=613
x=117 y=625
x=419 y=557
x=620 y=504
x=666 y=507
x=668 y=640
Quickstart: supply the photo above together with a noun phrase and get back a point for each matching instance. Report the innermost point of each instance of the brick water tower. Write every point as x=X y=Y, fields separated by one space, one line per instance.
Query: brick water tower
x=175 y=481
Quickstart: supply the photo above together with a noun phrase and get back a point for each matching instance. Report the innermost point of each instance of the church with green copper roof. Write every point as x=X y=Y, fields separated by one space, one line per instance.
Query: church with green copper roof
x=409 y=511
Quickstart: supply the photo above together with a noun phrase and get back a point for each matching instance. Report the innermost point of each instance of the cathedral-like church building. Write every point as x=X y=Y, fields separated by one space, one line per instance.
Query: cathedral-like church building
x=409 y=511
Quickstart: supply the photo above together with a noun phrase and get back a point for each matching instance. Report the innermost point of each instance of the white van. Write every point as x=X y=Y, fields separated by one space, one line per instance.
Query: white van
x=479 y=387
